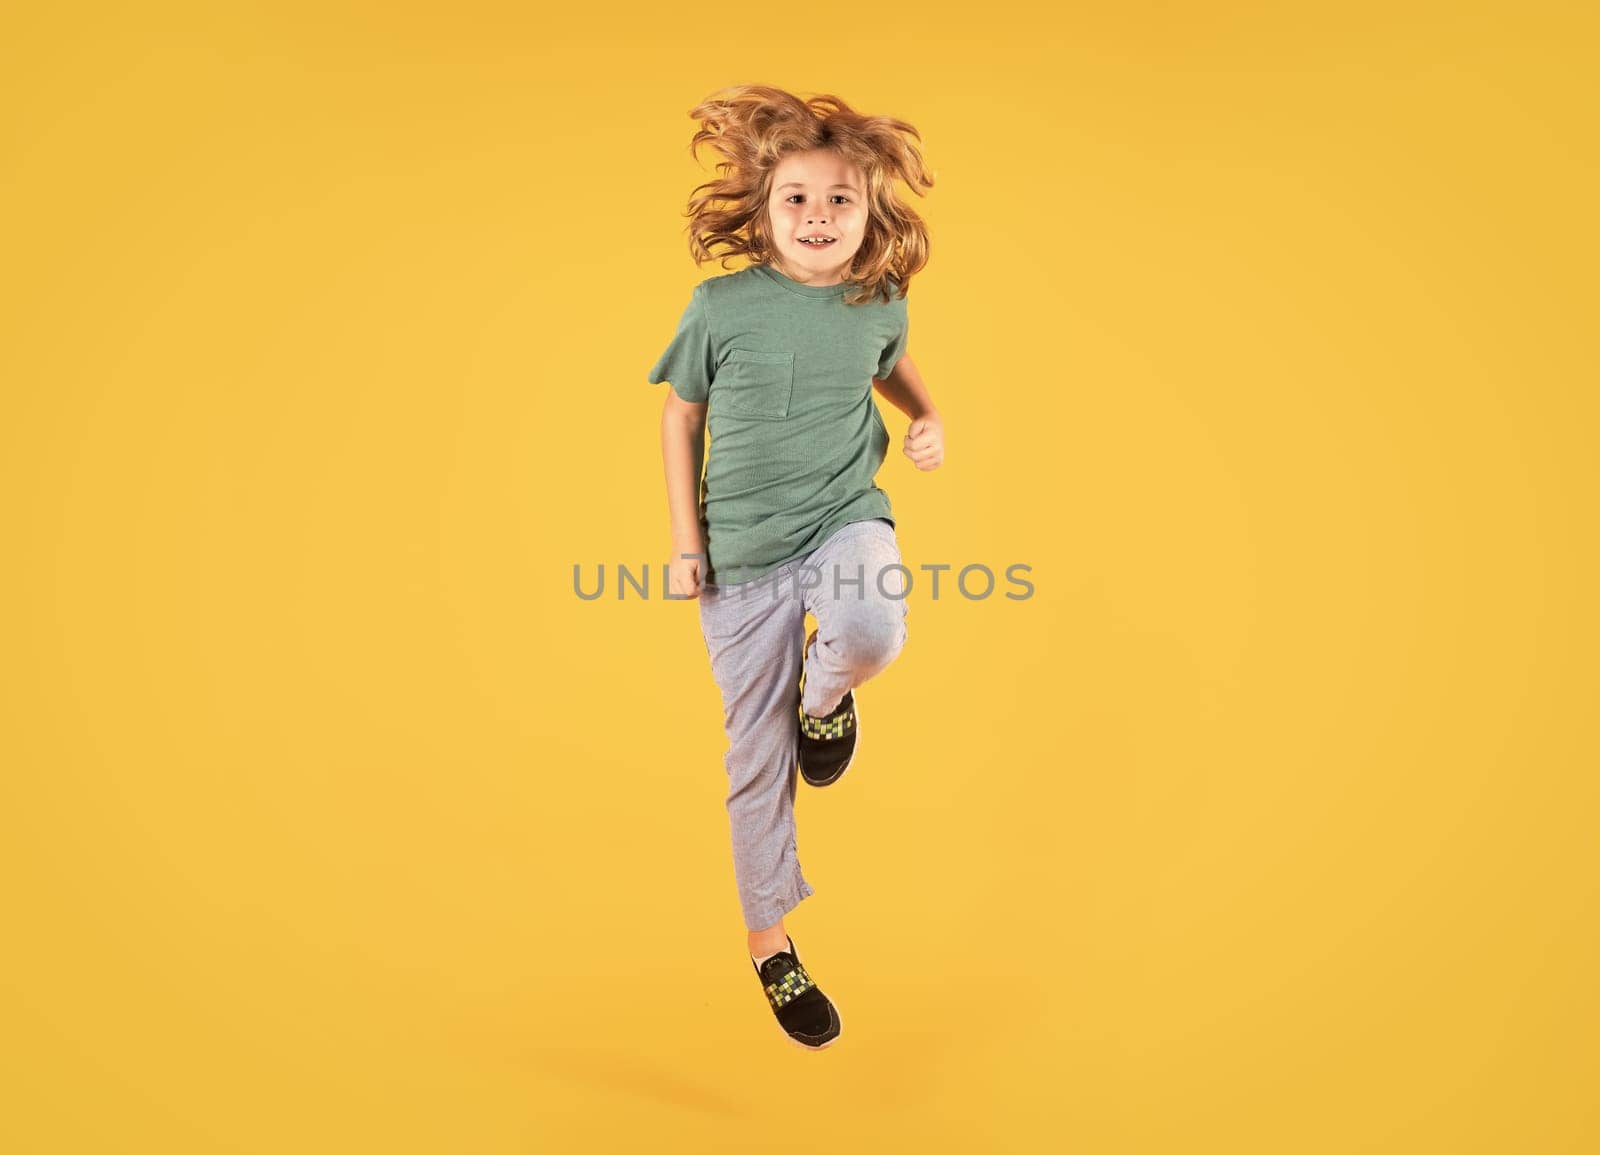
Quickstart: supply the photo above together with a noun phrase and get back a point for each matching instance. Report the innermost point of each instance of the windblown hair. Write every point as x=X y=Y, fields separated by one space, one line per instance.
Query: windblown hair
x=752 y=127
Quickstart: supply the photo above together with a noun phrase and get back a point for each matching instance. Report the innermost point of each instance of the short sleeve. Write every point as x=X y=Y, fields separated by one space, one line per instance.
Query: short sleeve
x=893 y=351
x=687 y=361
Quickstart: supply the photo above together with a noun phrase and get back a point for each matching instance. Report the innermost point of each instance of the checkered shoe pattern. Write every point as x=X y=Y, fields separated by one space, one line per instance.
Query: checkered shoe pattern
x=806 y=1015
x=827 y=745
x=835 y=725
x=793 y=984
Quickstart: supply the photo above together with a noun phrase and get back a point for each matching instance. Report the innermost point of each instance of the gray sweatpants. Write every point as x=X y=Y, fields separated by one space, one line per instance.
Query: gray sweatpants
x=854 y=584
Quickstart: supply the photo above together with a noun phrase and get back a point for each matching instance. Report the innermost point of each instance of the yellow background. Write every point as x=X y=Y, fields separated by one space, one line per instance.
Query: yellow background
x=335 y=821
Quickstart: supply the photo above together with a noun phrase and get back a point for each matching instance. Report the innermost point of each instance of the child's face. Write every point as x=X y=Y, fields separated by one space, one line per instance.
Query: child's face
x=816 y=194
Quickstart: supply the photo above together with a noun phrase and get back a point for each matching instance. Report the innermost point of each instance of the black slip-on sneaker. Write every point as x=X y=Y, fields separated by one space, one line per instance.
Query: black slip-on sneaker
x=827 y=745
x=806 y=1015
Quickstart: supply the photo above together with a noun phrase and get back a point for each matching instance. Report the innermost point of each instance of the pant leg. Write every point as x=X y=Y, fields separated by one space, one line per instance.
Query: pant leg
x=754 y=639
x=855 y=585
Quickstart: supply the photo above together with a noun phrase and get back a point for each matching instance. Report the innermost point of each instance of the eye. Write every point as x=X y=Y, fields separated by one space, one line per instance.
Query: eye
x=839 y=196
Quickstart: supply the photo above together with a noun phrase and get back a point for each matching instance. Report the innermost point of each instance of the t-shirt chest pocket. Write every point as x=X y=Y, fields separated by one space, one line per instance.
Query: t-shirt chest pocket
x=758 y=383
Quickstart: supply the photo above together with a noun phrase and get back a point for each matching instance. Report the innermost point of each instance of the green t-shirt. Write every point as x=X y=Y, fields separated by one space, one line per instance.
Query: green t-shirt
x=795 y=438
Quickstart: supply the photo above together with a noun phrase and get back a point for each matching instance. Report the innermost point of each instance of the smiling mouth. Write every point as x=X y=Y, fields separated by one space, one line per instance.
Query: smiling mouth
x=818 y=242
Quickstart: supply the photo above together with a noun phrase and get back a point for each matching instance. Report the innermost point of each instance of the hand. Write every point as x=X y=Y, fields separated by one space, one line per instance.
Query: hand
x=685 y=574
x=924 y=443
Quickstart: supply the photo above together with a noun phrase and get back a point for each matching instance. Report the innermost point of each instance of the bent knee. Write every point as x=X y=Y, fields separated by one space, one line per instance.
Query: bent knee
x=875 y=642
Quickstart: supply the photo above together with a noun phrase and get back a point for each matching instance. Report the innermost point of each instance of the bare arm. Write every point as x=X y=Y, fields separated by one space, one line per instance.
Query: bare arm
x=904 y=389
x=683 y=446
x=924 y=439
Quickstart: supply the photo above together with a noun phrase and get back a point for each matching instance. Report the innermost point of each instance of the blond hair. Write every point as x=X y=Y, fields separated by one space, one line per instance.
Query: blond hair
x=752 y=127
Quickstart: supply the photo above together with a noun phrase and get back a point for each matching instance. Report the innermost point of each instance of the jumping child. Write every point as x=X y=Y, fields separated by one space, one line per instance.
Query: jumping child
x=778 y=361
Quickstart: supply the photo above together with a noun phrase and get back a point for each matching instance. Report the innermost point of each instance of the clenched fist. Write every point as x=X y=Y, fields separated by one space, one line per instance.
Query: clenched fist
x=686 y=570
x=924 y=443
